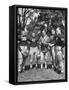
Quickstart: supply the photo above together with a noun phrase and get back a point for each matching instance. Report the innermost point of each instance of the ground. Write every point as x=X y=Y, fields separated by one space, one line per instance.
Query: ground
x=39 y=74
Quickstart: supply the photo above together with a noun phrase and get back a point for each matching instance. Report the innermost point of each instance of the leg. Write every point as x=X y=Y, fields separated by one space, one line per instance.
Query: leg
x=53 y=56
x=41 y=65
x=61 y=62
x=30 y=54
x=62 y=66
x=45 y=65
x=20 y=61
x=31 y=62
x=20 y=66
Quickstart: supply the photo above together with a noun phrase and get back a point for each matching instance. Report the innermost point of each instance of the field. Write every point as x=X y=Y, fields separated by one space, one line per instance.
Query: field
x=39 y=74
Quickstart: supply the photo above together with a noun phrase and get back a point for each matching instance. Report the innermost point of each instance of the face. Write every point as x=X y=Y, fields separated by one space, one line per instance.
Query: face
x=63 y=22
x=53 y=31
x=33 y=34
x=58 y=48
x=33 y=40
x=25 y=53
x=43 y=33
x=58 y=31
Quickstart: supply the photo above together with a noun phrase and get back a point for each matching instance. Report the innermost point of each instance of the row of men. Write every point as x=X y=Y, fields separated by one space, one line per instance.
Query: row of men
x=44 y=52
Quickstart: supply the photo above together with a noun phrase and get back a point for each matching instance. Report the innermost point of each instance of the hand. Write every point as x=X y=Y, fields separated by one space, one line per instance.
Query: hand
x=50 y=44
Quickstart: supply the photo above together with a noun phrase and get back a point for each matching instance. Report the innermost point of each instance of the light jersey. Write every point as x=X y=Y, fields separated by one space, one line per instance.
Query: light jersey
x=24 y=49
x=45 y=39
x=19 y=55
x=58 y=31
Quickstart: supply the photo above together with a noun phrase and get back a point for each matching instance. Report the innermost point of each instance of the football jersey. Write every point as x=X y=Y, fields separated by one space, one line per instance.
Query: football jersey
x=45 y=39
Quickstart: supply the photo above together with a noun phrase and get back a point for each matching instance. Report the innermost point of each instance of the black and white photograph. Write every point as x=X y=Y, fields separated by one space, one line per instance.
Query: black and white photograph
x=40 y=44
x=34 y=45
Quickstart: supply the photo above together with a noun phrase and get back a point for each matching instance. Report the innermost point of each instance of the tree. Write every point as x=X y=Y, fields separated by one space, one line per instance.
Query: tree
x=53 y=18
x=25 y=16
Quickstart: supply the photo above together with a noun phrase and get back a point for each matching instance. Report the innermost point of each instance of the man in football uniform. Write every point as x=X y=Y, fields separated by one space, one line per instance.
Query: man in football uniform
x=22 y=51
x=59 y=47
x=33 y=52
x=33 y=38
x=57 y=56
x=40 y=58
x=45 y=39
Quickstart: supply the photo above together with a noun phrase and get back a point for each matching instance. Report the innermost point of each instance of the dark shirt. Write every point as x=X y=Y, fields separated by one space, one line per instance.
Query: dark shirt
x=43 y=47
x=59 y=42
